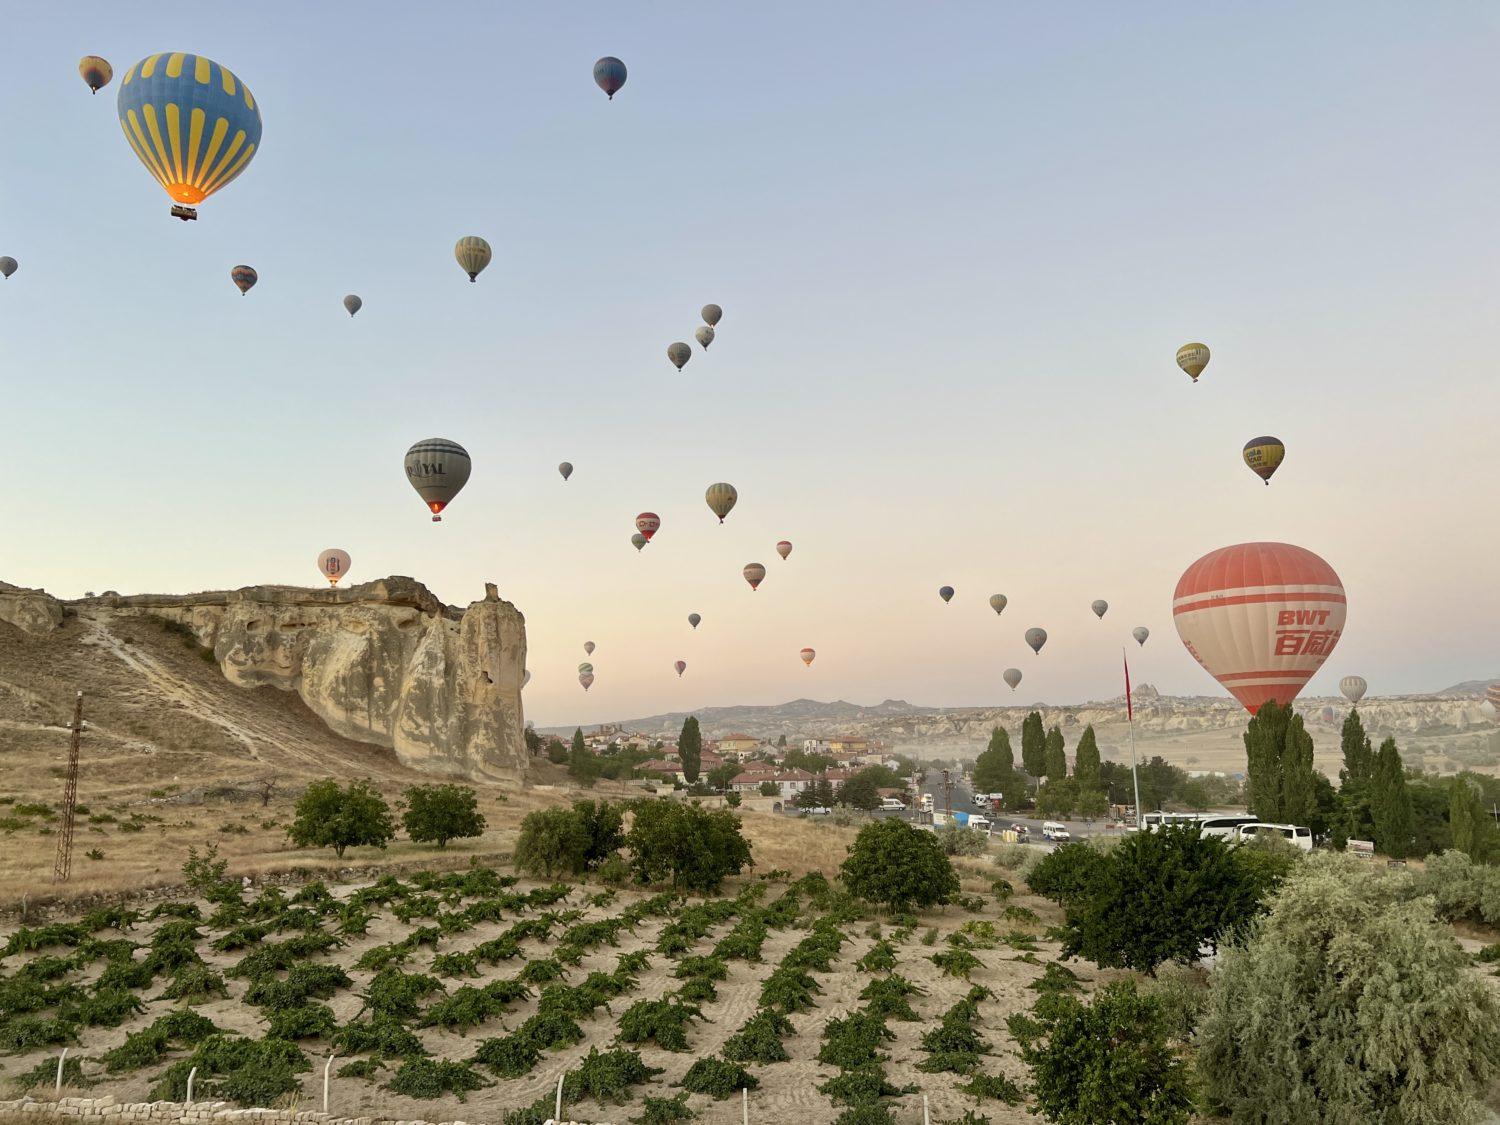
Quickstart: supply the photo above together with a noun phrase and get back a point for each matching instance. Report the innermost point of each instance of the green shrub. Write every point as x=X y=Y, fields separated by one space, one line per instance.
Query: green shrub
x=1056 y=978
x=956 y=962
x=433 y=1078
x=995 y=1086
x=302 y=1021
x=368 y=1069
x=955 y=1045
x=470 y=1007
x=789 y=989
x=695 y=848
x=25 y=1034
x=248 y=1072
x=329 y=815
x=861 y=1087
x=396 y=995
x=1067 y=873
x=717 y=1079
x=665 y=1021
x=854 y=1040
x=759 y=1040
x=383 y=1037
x=44 y=1074
x=1463 y=890
x=151 y=1043
x=960 y=839
x=439 y=813
x=606 y=1078
x=106 y=1007
x=886 y=997
x=880 y=959
x=664 y=1111
x=898 y=866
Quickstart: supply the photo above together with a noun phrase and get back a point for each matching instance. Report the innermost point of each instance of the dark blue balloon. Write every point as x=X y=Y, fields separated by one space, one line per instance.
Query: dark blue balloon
x=609 y=75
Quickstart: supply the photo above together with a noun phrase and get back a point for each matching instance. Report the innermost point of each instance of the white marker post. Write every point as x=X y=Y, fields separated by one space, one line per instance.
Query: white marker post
x=745 y=1104
x=328 y=1066
x=62 y=1058
x=557 y=1111
x=191 y=1075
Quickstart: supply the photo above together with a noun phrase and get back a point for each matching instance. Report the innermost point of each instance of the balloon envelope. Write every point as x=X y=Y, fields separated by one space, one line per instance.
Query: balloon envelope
x=333 y=564
x=96 y=72
x=647 y=523
x=1036 y=638
x=946 y=593
x=1140 y=633
x=1193 y=358
x=353 y=304
x=721 y=499
x=244 y=278
x=705 y=336
x=8 y=265
x=586 y=679
x=1492 y=695
x=808 y=655
x=1012 y=676
x=998 y=602
x=585 y=667
x=438 y=469
x=1100 y=607
x=1354 y=688
x=566 y=469
x=473 y=254
x=638 y=540
x=609 y=75
x=712 y=314
x=754 y=574
x=679 y=353
x=1328 y=714
x=1260 y=617
x=681 y=666
x=192 y=123
x=694 y=619
x=1264 y=456
x=588 y=647
x=784 y=548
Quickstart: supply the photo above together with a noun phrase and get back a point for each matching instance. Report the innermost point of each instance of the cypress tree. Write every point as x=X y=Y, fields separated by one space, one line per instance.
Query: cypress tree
x=1390 y=803
x=1473 y=832
x=1279 y=773
x=1033 y=745
x=1086 y=760
x=690 y=748
x=1359 y=758
x=995 y=769
x=1055 y=759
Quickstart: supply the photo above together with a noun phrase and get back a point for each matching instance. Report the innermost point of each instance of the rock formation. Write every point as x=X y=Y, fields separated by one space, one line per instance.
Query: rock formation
x=383 y=662
x=32 y=611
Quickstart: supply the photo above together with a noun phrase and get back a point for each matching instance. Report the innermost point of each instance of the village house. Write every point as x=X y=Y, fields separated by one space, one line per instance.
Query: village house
x=736 y=744
x=790 y=782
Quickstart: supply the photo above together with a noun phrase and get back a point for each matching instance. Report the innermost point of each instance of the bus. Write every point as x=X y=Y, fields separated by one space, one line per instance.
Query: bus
x=1294 y=834
x=1223 y=825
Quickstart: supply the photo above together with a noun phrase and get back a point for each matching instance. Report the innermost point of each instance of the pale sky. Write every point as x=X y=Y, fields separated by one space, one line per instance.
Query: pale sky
x=957 y=247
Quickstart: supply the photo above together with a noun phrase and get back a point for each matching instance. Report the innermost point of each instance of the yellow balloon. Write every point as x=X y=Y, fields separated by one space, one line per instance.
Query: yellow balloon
x=1193 y=358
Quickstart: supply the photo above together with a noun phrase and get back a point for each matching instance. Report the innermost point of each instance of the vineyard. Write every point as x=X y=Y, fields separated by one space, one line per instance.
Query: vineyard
x=467 y=994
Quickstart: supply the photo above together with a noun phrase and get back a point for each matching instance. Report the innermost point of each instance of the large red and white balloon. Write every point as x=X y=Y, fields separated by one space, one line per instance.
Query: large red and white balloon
x=1260 y=617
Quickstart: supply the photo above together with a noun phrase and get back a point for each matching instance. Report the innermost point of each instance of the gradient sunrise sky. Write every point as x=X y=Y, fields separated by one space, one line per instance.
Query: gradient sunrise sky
x=957 y=246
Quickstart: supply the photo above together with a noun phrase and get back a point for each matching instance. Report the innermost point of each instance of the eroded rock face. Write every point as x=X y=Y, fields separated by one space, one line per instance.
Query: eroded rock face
x=32 y=611
x=382 y=662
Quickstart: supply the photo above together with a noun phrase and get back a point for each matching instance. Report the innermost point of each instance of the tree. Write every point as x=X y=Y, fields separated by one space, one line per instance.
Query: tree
x=557 y=753
x=1279 y=751
x=800 y=759
x=781 y=742
x=1055 y=755
x=994 y=770
x=898 y=866
x=1469 y=822
x=690 y=748
x=533 y=740
x=1359 y=759
x=1193 y=794
x=583 y=767
x=696 y=848
x=1033 y=745
x=439 y=813
x=603 y=827
x=818 y=795
x=720 y=777
x=1057 y=798
x=770 y=789
x=330 y=816
x=1086 y=759
x=552 y=842
x=1109 y=1060
x=860 y=792
x=1091 y=803
x=1390 y=804
x=1068 y=873
x=1349 y=1002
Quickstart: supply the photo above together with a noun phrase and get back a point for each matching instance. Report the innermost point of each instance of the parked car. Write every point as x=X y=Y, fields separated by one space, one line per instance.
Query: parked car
x=1294 y=834
x=1052 y=830
x=817 y=810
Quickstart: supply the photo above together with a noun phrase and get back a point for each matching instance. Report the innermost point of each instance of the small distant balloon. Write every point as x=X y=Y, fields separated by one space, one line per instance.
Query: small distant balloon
x=1264 y=456
x=1193 y=358
x=333 y=564
x=1036 y=638
x=438 y=469
x=754 y=574
x=566 y=469
x=585 y=667
x=609 y=75
x=588 y=647
x=784 y=548
x=1100 y=607
x=998 y=602
x=721 y=499
x=1492 y=695
x=1354 y=688
x=648 y=523
x=712 y=314
x=96 y=72
x=679 y=353
x=244 y=277
x=694 y=619
x=525 y=678
x=353 y=304
x=1140 y=633
x=704 y=336
x=638 y=540
x=586 y=679
x=473 y=254
x=946 y=593
x=1328 y=714
x=1012 y=676
x=808 y=655
x=8 y=265
x=681 y=666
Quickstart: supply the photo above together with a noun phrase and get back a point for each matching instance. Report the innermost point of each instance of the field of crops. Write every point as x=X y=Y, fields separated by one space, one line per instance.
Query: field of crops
x=475 y=987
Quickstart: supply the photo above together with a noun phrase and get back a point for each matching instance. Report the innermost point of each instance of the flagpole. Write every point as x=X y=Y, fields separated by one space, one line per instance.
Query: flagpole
x=1130 y=714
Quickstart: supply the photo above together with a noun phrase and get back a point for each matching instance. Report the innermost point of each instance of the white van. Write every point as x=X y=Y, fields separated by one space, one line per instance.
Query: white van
x=1225 y=827
x=892 y=804
x=1293 y=834
x=981 y=800
x=980 y=824
x=1051 y=830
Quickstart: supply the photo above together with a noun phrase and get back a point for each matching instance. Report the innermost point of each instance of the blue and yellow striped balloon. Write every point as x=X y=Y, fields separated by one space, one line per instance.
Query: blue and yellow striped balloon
x=192 y=123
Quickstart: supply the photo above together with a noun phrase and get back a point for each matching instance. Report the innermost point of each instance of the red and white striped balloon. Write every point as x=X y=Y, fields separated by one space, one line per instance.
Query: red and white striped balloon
x=808 y=655
x=1260 y=617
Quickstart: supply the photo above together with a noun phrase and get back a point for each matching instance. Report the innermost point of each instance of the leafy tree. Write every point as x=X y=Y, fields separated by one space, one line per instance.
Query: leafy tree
x=603 y=830
x=818 y=795
x=1033 y=745
x=860 y=792
x=1280 y=770
x=994 y=771
x=583 y=767
x=781 y=742
x=1057 y=797
x=1068 y=873
x=557 y=753
x=533 y=740
x=1086 y=759
x=720 y=777
x=1350 y=1002
x=1055 y=755
x=439 y=813
x=1468 y=820
x=1110 y=1060
x=695 y=847
x=1091 y=803
x=892 y=863
x=1193 y=794
x=800 y=759
x=552 y=842
x=770 y=789
x=1390 y=804
x=328 y=815
x=1359 y=759
x=690 y=748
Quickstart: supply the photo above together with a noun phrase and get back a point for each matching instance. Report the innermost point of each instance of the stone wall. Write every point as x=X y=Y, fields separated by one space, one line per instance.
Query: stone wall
x=159 y=1113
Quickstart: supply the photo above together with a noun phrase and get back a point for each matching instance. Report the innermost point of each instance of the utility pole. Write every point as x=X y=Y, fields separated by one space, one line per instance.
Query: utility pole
x=64 y=863
x=947 y=795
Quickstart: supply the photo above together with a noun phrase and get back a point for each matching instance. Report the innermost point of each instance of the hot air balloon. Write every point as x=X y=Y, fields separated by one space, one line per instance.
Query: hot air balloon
x=712 y=314
x=609 y=75
x=473 y=254
x=1140 y=633
x=244 y=277
x=1354 y=688
x=566 y=469
x=352 y=303
x=585 y=667
x=694 y=619
x=647 y=524
x=721 y=498
x=1328 y=714
x=1492 y=696
x=705 y=336
x=1100 y=607
x=1012 y=676
x=808 y=655
x=754 y=574
x=1264 y=456
x=679 y=353
x=525 y=678
x=1193 y=358
x=998 y=602
x=1036 y=638
x=8 y=265
x=96 y=72
x=784 y=548
x=1489 y=710
x=438 y=469
x=1260 y=617
x=638 y=541
x=681 y=666
x=586 y=679
x=192 y=123
x=588 y=648
x=946 y=593
x=334 y=564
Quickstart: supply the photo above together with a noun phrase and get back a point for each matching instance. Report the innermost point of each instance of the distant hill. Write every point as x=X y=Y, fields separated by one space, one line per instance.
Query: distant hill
x=769 y=720
x=1469 y=687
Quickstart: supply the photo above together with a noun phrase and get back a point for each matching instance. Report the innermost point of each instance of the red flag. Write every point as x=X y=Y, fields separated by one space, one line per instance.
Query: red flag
x=1129 y=707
